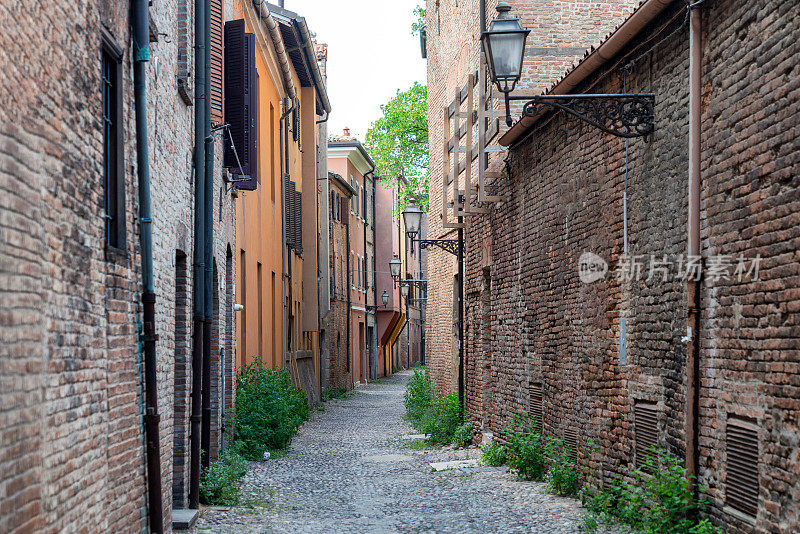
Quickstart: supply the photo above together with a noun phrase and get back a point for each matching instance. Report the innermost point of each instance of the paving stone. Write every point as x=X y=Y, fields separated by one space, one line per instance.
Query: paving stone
x=349 y=471
x=455 y=464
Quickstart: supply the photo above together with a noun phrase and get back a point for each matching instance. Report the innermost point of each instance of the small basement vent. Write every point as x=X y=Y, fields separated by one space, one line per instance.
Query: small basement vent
x=741 y=491
x=571 y=441
x=645 y=428
x=536 y=404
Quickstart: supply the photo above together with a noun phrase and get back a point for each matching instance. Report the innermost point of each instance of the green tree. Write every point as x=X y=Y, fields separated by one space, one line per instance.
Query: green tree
x=398 y=143
x=420 y=12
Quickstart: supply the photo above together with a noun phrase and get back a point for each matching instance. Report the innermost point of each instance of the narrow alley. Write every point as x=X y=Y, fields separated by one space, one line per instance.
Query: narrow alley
x=354 y=468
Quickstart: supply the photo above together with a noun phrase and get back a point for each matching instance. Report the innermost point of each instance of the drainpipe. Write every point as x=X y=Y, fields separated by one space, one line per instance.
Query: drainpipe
x=141 y=55
x=199 y=250
x=349 y=296
x=208 y=222
x=694 y=248
x=373 y=371
x=461 y=355
x=284 y=172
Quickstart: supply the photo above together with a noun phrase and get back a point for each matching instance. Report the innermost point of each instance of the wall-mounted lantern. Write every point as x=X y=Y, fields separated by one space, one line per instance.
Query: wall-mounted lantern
x=395 y=264
x=504 y=46
x=623 y=115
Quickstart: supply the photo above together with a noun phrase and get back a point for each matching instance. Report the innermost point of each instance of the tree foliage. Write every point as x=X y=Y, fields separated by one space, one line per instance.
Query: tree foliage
x=398 y=143
x=420 y=13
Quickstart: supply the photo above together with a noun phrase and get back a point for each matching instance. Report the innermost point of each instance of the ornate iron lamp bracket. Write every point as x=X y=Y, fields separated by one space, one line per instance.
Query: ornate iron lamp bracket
x=422 y=284
x=623 y=115
x=448 y=245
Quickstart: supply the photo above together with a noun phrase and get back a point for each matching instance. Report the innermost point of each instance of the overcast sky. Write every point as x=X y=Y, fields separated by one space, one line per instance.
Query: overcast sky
x=371 y=54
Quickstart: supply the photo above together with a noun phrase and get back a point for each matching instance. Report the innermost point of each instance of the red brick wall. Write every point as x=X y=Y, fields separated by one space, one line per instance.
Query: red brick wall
x=531 y=319
x=335 y=322
x=561 y=31
x=71 y=449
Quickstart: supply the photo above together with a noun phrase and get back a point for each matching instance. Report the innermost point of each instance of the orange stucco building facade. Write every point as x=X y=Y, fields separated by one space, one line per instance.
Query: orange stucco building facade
x=276 y=224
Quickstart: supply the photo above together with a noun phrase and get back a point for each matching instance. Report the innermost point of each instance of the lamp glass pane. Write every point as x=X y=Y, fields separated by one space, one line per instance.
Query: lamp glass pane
x=394 y=267
x=506 y=50
x=412 y=216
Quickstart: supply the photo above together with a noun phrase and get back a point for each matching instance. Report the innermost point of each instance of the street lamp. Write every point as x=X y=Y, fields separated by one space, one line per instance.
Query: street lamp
x=404 y=290
x=394 y=267
x=624 y=115
x=412 y=217
x=504 y=47
x=384 y=299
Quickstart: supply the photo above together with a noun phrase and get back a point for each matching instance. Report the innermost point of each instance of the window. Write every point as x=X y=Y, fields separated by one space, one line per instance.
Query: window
x=272 y=174
x=260 y=308
x=113 y=170
x=274 y=315
x=216 y=53
x=241 y=105
x=184 y=15
x=364 y=203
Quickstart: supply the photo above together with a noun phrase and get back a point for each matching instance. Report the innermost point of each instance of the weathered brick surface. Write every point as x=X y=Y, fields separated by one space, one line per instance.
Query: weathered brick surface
x=337 y=368
x=531 y=321
x=561 y=31
x=71 y=445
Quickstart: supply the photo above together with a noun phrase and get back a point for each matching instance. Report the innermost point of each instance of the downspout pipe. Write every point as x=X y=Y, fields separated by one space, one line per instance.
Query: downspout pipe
x=694 y=246
x=370 y=362
x=208 y=249
x=284 y=134
x=198 y=284
x=141 y=55
x=374 y=341
x=349 y=296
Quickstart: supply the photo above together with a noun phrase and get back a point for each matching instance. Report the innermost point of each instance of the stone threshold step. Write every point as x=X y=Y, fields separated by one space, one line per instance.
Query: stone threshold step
x=183 y=519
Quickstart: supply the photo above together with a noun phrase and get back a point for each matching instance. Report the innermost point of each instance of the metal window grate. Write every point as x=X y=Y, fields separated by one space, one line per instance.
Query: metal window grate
x=571 y=441
x=536 y=404
x=742 y=488
x=645 y=428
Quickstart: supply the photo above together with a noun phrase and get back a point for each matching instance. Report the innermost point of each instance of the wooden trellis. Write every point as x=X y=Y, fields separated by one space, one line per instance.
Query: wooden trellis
x=458 y=190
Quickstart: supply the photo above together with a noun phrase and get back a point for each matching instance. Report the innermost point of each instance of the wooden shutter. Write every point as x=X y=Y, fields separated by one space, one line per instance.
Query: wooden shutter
x=645 y=428
x=241 y=105
x=216 y=43
x=298 y=221
x=741 y=489
x=289 y=211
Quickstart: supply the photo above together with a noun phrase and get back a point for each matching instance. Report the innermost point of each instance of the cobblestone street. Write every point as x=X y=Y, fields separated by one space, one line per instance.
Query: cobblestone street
x=351 y=470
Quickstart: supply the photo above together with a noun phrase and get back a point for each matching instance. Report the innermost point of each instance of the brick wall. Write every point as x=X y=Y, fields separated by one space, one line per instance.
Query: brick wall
x=335 y=321
x=534 y=329
x=561 y=32
x=72 y=447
